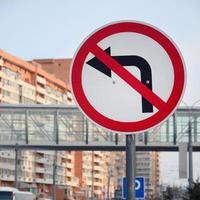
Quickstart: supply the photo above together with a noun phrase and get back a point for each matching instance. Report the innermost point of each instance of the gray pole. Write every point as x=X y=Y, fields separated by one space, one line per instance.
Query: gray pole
x=195 y=128
x=56 y=129
x=26 y=126
x=190 y=179
x=175 y=128
x=92 y=175
x=16 y=166
x=130 y=167
x=86 y=132
x=54 y=175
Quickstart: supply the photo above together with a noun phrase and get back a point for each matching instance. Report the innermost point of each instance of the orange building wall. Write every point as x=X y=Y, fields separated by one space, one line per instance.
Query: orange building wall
x=30 y=69
x=78 y=166
x=59 y=67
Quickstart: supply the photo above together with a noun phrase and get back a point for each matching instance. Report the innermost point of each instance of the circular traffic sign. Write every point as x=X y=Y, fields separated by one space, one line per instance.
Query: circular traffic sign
x=128 y=77
x=137 y=184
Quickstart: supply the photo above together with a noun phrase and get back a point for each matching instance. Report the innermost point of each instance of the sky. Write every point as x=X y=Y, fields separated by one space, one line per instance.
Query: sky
x=55 y=28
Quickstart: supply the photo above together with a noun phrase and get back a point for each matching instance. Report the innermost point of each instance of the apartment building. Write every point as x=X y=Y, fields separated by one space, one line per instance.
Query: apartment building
x=97 y=174
x=26 y=82
x=147 y=165
x=119 y=168
x=89 y=167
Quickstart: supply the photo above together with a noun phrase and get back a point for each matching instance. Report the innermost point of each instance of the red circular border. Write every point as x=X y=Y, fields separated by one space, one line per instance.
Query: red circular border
x=117 y=126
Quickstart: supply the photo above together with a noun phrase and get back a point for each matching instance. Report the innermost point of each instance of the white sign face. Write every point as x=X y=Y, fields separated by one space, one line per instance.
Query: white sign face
x=112 y=96
x=128 y=77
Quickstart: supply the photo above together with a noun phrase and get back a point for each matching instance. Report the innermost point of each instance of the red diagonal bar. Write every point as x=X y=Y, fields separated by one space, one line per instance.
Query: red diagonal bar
x=128 y=77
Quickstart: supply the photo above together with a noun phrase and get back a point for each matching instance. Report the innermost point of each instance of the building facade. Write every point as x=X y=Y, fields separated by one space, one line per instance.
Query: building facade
x=147 y=165
x=24 y=82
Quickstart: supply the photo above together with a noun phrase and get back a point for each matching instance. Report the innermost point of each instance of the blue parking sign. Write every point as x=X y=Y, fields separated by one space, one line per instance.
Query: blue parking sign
x=139 y=187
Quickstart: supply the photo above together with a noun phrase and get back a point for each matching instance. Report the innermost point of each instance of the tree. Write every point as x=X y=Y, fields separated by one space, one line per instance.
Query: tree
x=193 y=193
x=168 y=194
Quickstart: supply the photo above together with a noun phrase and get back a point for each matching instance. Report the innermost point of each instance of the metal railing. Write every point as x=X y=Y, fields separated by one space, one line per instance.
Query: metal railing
x=59 y=126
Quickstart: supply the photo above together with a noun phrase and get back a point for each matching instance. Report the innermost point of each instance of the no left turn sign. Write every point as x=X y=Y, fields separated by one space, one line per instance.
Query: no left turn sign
x=128 y=77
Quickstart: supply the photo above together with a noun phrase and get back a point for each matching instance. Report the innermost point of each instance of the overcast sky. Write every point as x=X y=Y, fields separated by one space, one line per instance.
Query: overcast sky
x=55 y=28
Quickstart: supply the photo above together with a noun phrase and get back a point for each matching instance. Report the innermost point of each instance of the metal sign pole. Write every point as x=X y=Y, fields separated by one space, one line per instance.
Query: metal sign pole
x=190 y=149
x=130 y=166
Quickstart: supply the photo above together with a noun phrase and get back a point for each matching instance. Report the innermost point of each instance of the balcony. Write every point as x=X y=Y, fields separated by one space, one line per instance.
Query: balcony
x=44 y=180
x=46 y=152
x=41 y=90
x=40 y=170
x=62 y=154
x=6 y=76
x=25 y=179
x=69 y=165
x=97 y=175
x=42 y=160
x=69 y=156
x=9 y=100
x=60 y=164
x=49 y=171
x=87 y=166
x=11 y=89
x=60 y=172
x=87 y=158
x=5 y=177
x=1 y=62
x=39 y=180
x=97 y=153
x=88 y=182
x=98 y=160
x=75 y=182
x=69 y=174
x=98 y=184
x=40 y=100
x=41 y=80
x=60 y=182
x=51 y=95
x=98 y=192
x=69 y=183
x=30 y=179
x=7 y=155
x=9 y=166
x=48 y=180
x=98 y=168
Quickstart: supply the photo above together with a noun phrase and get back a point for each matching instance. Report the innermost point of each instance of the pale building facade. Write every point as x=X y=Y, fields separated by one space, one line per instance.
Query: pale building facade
x=27 y=83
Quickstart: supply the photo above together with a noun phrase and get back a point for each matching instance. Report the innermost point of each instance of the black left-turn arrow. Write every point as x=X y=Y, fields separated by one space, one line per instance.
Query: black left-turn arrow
x=129 y=60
